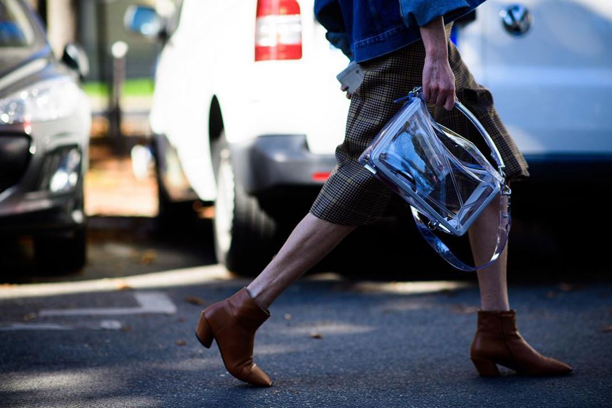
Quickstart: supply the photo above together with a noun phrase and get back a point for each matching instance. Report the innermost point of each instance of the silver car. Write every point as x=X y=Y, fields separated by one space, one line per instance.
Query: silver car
x=45 y=121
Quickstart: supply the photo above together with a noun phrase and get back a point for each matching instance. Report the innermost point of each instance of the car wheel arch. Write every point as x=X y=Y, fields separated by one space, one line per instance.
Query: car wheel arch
x=216 y=125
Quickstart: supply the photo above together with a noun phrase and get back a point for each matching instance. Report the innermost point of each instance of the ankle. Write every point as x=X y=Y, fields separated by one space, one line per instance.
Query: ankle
x=258 y=298
x=493 y=307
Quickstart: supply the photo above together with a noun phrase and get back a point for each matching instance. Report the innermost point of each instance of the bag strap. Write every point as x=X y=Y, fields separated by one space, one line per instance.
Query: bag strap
x=505 y=221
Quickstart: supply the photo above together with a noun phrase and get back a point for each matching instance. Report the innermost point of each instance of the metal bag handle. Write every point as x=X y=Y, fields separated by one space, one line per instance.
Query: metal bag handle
x=485 y=135
x=417 y=92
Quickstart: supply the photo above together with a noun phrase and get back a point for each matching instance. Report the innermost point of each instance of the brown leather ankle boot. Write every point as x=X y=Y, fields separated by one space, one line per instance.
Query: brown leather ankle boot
x=233 y=323
x=497 y=341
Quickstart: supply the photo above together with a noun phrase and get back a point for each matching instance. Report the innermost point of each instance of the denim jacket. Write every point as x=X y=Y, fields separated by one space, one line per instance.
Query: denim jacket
x=366 y=29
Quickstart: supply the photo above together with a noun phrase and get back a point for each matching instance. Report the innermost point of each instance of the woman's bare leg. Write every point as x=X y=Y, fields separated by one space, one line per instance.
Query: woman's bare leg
x=497 y=340
x=309 y=242
x=492 y=279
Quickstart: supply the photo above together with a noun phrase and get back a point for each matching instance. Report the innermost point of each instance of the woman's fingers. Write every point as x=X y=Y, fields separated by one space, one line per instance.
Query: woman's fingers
x=441 y=99
x=345 y=88
x=450 y=101
x=434 y=93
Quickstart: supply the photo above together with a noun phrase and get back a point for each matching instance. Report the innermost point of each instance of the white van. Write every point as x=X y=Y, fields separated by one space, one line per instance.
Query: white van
x=247 y=110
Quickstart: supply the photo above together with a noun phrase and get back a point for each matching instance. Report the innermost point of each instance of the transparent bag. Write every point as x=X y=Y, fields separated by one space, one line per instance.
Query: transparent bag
x=446 y=180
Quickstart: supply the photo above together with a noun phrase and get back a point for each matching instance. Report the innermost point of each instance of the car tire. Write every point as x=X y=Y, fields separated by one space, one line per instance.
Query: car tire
x=63 y=254
x=244 y=234
x=171 y=214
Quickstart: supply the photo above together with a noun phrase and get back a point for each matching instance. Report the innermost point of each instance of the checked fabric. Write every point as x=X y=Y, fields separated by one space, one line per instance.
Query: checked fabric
x=354 y=196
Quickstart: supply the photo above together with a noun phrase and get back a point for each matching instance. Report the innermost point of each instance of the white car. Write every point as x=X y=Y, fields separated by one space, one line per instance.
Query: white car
x=247 y=110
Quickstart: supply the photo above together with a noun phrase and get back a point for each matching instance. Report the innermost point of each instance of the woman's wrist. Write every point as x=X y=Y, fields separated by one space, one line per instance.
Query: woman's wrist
x=437 y=54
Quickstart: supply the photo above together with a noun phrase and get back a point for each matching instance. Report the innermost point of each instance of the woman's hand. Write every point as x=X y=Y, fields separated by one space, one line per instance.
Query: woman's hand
x=344 y=88
x=439 y=82
x=438 y=77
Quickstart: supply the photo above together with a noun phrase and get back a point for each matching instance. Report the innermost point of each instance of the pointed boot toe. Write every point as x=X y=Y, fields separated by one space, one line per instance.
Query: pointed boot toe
x=556 y=367
x=232 y=323
x=258 y=377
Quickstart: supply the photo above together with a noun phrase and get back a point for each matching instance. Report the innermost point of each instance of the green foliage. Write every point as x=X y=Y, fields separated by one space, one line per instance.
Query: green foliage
x=131 y=87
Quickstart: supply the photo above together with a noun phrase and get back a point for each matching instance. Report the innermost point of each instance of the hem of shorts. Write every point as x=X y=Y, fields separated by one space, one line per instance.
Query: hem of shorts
x=351 y=223
x=522 y=176
x=519 y=175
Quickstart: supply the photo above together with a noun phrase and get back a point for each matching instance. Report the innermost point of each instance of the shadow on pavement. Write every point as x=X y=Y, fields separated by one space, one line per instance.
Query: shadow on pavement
x=118 y=246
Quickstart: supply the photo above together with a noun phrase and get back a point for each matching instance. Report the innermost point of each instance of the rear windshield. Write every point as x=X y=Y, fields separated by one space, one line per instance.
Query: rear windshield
x=16 y=28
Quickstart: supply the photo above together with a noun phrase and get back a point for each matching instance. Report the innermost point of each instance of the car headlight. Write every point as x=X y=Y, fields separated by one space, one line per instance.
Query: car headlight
x=61 y=169
x=44 y=101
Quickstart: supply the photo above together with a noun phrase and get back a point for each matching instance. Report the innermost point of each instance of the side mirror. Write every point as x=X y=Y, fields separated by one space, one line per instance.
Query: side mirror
x=143 y=21
x=74 y=56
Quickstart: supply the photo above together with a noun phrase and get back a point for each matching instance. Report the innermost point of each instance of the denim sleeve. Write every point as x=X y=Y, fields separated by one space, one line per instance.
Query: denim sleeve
x=328 y=13
x=420 y=12
x=341 y=41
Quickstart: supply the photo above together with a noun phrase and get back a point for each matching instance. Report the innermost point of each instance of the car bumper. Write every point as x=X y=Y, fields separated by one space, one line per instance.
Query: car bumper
x=575 y=169
x=31 y=202
x=272 y=163
x=40 y=215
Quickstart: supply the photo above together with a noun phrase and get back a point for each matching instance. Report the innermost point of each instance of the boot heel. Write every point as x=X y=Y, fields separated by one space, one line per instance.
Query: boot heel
x=486 y=368
x=204 y=333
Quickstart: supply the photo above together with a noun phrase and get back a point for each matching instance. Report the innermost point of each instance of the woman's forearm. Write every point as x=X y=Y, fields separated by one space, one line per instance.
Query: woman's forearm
x=438 y=77
x=434 y=38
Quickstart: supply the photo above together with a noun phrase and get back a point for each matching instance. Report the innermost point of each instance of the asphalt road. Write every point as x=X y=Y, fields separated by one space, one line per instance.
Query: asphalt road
x=120 y=334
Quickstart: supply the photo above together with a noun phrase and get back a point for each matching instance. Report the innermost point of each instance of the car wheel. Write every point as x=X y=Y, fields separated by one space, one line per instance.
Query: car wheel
x=243 y=232
x=62 y=254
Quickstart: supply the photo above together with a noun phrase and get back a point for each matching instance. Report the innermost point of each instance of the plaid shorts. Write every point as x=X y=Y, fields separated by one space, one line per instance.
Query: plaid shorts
x=354 y=196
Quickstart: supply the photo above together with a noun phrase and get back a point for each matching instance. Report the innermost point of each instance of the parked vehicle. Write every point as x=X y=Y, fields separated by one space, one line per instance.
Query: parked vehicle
x=247 y=111
x=44 y=135
x=549 y=66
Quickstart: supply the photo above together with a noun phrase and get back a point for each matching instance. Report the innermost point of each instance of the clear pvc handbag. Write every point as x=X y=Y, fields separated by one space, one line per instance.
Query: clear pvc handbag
x=443 y=176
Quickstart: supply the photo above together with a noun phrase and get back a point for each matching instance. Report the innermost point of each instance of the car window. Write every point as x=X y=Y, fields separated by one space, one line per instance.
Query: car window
x=16 y=29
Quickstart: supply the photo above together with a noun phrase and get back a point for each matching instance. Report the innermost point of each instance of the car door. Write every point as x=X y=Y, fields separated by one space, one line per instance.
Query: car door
x=549 y=66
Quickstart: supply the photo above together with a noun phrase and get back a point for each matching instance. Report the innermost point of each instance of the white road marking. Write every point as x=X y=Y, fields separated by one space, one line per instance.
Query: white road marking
x=110 y=325
x=103 y=325
x=411 y=288
x=150 y=302
x=178 y=277
x=33 y=326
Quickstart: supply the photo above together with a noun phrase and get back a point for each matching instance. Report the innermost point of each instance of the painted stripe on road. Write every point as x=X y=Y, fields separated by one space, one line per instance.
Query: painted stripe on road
x=150 y=302
x=103 y=325
x=32 y=326
x=178 y=277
